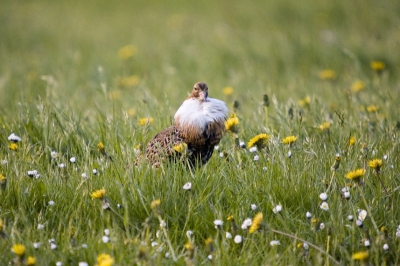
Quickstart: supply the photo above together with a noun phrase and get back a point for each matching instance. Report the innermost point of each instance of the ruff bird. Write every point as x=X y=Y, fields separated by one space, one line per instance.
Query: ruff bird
x=199 y=125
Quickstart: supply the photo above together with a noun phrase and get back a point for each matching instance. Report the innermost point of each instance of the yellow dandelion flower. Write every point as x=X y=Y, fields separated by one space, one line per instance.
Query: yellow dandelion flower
x=227 y=91
x=352 y=141
x=260 y=141
x=231 y=124
x=100 y=146
x=208 y=241
x=131 y=112
x=375 y=164
x=127 y=52
x=377 y=66
x=358 y=86
x=327 y=74
x=30 y=261
x=256 y=222
x=146 y=121
x=19 y=250
x=325 y=126
x=355 y=175
x=104 y=260
x=289 y=140
x=2 y=178
x=230 y=217
x=305 y=101
x=130 y=81
x=115 y=94
x=13 y=146
x=362 y=255
x=300 y=245
x=181 y=147
x=98 y=194
x=155 y=203
x=189 y=246
x=372 y=108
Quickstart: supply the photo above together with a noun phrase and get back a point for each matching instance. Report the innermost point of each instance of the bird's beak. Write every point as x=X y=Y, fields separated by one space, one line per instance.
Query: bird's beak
x=203 y=95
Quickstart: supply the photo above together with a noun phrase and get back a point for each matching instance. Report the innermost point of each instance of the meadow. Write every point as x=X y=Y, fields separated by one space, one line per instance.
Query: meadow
x=84 y=85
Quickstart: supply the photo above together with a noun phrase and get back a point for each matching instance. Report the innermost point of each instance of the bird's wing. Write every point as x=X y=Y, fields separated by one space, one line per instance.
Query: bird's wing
x=161 y=147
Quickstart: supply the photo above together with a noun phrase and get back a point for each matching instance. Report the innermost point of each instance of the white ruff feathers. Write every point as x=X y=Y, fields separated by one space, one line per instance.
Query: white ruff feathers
x=198 y=114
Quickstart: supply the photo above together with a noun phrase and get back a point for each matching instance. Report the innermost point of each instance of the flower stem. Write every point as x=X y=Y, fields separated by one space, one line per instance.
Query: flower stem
x=304 y=241
x=368 y=209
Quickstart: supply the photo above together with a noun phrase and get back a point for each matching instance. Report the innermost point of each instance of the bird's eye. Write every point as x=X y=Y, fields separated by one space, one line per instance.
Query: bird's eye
x=196 y=88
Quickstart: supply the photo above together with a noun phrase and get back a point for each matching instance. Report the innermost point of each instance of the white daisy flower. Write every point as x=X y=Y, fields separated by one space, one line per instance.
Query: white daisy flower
x=53 y=246
x=72 y=159
x=305 y=246
x=167 y=255
x=289 y=154
x=189 y=233
x=187 y=186
x=385 y=157
x=221 y=154
x=216 y=147
x=346 y=194
x=163 y=224
x=84 y=176
x=83 y=263
x=253 y=207
x=324 y=205
x=210 y=257
x=238 y=239
x=277 y=208
x=54 y=154
x=51 y=203
x=350 y=217
x=228 y=235
x=265 y=168
x=385 y=247
x=14 y=138
x=253 y=149
x=246 y=223
x=105 y=239
x=107 y=232
x=242 y=144
x=322 y=226
x=256 y=158
x=323 y=196
x=95 y=171
x=274 y=243
x=367 y=243
x=61 y=165
x=218 y=224
x=32 y=173
x=37 y=245
x=359 y=223
x=362 y=215
x=119 y=206
x=308 y=214
x=154 y=244
x=40 y=226
x=59 y=263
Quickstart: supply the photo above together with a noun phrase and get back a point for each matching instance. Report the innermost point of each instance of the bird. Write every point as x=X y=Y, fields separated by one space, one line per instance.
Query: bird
x=199 y=125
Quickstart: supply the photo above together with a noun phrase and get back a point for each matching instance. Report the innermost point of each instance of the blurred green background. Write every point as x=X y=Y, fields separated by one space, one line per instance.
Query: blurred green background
x=67 y=51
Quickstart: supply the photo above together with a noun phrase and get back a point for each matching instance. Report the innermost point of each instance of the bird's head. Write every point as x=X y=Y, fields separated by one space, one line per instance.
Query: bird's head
x=200 y=91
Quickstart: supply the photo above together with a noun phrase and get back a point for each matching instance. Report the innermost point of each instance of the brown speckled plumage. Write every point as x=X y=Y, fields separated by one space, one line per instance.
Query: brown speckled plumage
x=199 y=122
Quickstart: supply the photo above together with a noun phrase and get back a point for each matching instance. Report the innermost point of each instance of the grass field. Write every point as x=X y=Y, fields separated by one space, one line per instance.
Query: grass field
x=74 y=74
